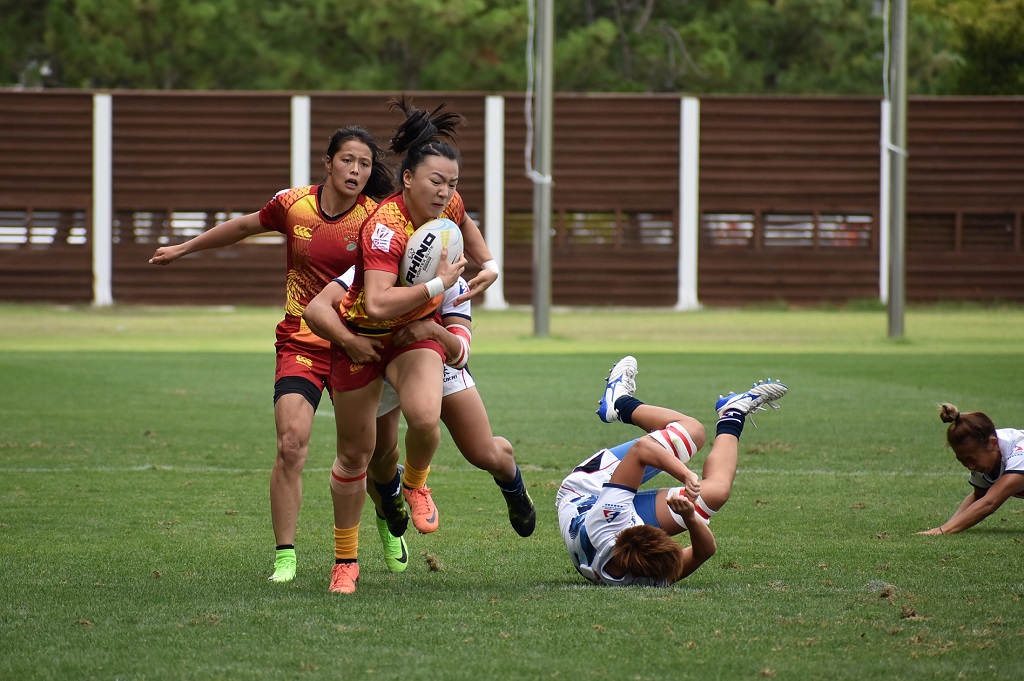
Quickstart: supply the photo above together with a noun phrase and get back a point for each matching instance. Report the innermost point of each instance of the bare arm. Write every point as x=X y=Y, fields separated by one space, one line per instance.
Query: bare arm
x=424 y=329
x=702 y=541
x=386 y=299
x=226 y=233
x=646 y=452
x=321 y=315
x=979 y=505
x=476 y=248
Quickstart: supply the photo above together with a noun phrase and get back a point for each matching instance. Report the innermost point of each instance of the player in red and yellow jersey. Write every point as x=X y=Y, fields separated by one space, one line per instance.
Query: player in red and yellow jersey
x=374 y=308
x=322 y=225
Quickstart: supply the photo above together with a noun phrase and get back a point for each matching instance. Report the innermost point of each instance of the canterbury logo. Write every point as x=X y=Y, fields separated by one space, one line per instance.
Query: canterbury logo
x=302 y=232
x=304 y=360
x=353 y=368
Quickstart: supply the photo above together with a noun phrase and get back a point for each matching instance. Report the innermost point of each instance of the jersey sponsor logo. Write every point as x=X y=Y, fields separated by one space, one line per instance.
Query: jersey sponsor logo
x=381 y=238
x=353 y=368
x=612 y=511
x=307 y=362
x=417 y=261
x=302 y=232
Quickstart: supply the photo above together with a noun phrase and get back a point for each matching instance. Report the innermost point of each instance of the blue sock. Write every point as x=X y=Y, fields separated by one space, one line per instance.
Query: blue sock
x=515 y=485
x=625 y=406
x=390 y=490
x=731 y=423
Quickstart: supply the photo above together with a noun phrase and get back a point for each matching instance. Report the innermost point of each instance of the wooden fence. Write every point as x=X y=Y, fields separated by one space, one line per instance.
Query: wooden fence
x=788 y=193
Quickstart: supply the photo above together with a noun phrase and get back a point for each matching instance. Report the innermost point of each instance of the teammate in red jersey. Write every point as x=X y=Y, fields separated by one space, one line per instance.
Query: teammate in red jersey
x=376 y=306
x=321 y=224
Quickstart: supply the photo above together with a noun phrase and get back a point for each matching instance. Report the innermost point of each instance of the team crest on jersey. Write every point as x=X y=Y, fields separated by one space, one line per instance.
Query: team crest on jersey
x=302 y=232
x=381 y=238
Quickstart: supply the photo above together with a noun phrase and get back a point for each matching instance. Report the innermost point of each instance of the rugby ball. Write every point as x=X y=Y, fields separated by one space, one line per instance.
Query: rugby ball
x=423 y=252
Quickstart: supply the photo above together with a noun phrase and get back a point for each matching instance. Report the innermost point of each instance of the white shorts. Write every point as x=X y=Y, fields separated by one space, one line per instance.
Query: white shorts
x=455 y=381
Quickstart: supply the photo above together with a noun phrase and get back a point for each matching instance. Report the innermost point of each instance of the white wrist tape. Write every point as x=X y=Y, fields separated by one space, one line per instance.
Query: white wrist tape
x=434 y=287
x=491 y=265
x=465 y=336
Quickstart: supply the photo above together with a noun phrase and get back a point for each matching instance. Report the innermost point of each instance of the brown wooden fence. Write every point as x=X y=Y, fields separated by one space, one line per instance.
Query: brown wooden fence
x=789 y=192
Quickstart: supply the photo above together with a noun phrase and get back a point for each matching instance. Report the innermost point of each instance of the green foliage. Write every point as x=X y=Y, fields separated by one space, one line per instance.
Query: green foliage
x=699 y=46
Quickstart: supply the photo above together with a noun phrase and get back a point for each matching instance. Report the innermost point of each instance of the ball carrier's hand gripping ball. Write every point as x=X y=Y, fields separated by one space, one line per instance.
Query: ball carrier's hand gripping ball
x=423 y=252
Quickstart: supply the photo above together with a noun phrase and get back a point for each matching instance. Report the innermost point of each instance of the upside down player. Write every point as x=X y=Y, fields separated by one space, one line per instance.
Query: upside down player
x=618 y=536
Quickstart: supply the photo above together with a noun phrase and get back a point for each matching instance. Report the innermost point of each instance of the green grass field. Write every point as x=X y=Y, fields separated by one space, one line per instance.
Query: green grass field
x=136 y=446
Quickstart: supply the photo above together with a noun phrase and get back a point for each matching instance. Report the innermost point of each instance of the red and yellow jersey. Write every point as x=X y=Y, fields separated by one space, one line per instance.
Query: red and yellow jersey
x=319 y=249
x=382 y=242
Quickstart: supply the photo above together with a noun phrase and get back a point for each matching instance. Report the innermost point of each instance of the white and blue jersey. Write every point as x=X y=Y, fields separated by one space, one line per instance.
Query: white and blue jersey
x=592 y=512
x=1011 y=459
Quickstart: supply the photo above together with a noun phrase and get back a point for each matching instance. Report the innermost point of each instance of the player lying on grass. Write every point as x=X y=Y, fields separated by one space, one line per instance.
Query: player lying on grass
x=995 y=459
x=618 y=536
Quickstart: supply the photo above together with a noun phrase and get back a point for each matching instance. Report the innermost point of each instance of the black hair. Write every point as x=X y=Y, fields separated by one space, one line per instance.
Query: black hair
x=381 y=182
x=423 y=134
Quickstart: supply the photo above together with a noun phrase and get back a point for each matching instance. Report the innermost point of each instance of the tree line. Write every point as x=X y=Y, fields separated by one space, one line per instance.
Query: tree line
x=835 y=47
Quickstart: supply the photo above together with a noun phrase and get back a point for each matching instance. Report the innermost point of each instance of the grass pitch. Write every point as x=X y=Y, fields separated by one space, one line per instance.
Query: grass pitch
x=136 y=445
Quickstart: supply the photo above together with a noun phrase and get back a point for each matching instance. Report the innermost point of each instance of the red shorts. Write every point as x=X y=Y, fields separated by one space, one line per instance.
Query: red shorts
x=346 y=376
x=312 y=362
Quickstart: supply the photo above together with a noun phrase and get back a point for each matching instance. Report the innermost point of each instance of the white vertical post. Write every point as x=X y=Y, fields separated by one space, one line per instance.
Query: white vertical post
x=883 y=205
x=300 y=140
x=102 y=200
x=494 y=195
x=689 y=210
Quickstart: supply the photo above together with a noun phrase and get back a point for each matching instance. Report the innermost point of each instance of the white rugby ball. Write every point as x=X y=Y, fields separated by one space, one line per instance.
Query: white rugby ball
x=423 y=252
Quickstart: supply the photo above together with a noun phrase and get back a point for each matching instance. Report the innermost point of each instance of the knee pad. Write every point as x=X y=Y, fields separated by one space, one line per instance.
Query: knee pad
x=345 y=481
x=675 y=439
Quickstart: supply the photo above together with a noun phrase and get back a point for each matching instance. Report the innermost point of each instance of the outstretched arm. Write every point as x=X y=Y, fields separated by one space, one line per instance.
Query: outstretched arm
x=702 y=542
x=226 y=233
x=980 y=504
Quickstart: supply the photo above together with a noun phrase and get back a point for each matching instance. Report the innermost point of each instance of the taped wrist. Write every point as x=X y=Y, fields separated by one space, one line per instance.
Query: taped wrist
x=465 y=336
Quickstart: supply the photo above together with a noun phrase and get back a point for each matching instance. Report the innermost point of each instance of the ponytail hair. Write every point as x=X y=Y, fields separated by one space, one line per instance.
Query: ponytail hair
x=973 y=428
x=424 y=133
x=381 y=182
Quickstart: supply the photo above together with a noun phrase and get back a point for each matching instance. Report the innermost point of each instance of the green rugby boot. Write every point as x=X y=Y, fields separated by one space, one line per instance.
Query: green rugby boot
x=396 y=553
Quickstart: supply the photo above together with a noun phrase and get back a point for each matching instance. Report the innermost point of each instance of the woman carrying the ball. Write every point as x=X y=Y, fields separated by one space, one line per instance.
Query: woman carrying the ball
x=995 y=458
x=321 y=224
x=376 y=306
x=462 y=412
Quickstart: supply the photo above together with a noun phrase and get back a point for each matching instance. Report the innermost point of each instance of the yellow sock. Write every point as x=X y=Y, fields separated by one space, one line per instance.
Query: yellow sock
x=414 y=479
x=346 y=543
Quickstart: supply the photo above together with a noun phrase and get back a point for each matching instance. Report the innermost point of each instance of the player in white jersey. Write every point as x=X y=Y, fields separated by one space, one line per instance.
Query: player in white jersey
x=618 y=536
x=995 y=458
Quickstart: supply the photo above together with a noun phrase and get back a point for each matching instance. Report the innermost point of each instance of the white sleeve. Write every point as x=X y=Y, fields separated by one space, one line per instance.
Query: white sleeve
x=612 y=513
x=448 y=306
x=346 y=279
